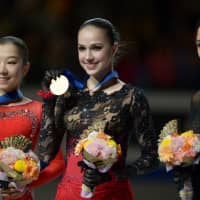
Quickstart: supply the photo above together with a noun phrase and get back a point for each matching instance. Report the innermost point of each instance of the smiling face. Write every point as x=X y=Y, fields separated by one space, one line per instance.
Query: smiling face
x=12 y=68
x=95 y=51
x=198 y=41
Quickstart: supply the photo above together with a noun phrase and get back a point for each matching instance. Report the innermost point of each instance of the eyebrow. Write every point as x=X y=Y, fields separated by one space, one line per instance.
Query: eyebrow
x=11 y=57
x=16 y=57
x=95 y=43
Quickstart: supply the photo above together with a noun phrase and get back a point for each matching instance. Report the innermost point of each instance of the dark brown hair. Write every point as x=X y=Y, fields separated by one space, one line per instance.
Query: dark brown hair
x=19 y=43
x=105 y=24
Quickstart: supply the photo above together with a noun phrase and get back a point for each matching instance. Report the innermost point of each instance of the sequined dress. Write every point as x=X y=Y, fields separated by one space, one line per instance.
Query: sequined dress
x=126 y=115
x=25 y=119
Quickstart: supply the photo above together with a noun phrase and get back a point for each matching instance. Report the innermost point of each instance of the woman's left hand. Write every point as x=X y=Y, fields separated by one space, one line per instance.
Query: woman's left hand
x=92 y=177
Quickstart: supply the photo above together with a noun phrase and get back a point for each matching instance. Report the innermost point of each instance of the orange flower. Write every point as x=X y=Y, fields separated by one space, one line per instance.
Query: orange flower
x=32 y=172
x=102 y=135
x=119 y=149
x=165 y=154
x=79 y=146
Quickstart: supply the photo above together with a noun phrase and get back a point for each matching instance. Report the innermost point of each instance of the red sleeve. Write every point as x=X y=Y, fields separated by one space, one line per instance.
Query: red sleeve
x=55 y=169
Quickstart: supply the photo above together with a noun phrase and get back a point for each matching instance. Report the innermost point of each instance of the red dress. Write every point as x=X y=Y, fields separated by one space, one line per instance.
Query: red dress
x=70 y=186
x=25 y=119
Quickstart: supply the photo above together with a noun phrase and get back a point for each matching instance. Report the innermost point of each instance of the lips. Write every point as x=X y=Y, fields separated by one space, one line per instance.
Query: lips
x=91 y=66
x=4 y=79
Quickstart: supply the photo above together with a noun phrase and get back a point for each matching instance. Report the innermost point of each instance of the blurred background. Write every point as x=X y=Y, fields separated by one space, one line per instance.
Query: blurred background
x=160 y=57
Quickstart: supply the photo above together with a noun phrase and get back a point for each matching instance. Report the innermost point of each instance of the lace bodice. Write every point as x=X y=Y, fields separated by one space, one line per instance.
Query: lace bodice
x=124 y=115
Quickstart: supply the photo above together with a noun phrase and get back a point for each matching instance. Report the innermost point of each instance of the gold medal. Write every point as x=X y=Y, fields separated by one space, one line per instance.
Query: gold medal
x=60 y=85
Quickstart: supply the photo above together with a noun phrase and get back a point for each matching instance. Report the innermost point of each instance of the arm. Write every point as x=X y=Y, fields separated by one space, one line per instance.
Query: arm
x=145 y=135
x=147 y=139
x=52 y=127
x=52 y=130
x=55 y=169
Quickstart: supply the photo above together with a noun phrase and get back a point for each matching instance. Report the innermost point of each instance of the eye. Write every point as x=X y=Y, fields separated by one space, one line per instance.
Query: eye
x=97 y=47
x=12 y=62
x=81 y=48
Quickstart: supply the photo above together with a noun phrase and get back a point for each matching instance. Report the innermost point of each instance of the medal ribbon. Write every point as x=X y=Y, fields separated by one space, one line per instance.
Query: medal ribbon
x=10 y=96
x=77 y=83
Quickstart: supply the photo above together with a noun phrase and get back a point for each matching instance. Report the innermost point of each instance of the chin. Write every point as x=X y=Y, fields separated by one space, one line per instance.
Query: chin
x=4 y=89
x=7 y=89
x=91 y=72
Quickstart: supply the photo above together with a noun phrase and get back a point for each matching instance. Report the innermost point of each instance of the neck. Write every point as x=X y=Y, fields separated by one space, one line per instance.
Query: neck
x=94 y=84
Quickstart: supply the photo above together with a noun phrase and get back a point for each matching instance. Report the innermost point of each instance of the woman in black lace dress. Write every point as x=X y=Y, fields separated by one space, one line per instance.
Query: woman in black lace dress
x=121 y=109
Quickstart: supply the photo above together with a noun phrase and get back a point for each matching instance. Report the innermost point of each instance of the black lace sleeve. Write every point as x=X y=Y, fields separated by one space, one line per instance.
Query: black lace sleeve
x=144 y=133
x=52 y=126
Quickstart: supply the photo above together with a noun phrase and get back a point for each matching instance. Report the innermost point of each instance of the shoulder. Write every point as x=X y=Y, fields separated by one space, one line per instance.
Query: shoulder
x=135 y=90
x=139 y=98
x=32 y=103
x=38 y=103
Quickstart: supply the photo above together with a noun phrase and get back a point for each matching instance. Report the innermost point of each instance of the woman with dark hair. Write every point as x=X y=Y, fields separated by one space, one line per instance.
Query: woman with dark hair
x=19 y=114
x=102 y=102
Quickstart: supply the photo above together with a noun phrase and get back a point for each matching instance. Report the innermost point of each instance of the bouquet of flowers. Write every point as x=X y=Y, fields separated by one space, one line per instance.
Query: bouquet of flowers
x=19 y=165
x=179 y=149
x=96 y=148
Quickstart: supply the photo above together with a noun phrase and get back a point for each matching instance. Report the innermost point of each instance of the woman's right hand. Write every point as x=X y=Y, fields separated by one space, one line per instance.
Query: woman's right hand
x=48 y=76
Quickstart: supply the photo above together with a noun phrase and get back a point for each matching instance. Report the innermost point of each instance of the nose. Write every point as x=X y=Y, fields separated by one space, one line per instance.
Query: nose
x=3 y=69
x=89 y=55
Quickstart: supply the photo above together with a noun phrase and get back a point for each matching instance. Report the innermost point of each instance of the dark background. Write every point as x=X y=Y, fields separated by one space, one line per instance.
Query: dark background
x=160 y=57
x=160 y=36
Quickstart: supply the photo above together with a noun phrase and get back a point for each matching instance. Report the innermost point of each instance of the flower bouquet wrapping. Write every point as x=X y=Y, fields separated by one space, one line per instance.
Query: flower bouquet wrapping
x=19 y=165
x=179 y=149
x=99 y=152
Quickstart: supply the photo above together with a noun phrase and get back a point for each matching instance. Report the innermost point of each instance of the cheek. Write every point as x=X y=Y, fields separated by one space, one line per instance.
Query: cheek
x=17 y=74
x=104 y=56
x=80 y=56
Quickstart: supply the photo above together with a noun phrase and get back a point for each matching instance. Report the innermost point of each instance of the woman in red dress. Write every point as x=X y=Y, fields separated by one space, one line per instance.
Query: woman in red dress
x=106 y=103
x=19 y=114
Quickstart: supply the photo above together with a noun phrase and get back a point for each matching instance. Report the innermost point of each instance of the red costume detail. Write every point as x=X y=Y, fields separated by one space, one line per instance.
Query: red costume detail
x=70 y=186
x=45 y=94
